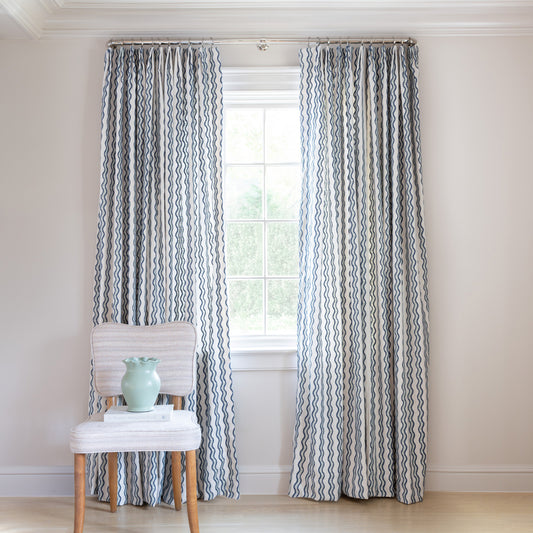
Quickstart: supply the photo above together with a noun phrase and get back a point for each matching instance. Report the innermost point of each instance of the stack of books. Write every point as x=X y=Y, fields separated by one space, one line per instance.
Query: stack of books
x=120 y=413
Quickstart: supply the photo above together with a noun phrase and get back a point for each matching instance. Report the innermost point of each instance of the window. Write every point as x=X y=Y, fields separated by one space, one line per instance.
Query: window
x=261 y=204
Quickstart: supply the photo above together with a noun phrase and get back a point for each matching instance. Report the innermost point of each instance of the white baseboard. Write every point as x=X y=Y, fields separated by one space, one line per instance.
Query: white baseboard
x=264 y=479
x=35 y=481
x=480 y=478
x=477 y=478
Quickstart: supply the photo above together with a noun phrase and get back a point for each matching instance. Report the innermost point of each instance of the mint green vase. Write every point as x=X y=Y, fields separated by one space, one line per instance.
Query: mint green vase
x=140 y=383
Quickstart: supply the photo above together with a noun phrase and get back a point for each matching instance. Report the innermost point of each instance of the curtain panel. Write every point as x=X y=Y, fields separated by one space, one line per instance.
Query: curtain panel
x=361 y=421
x=160 y=244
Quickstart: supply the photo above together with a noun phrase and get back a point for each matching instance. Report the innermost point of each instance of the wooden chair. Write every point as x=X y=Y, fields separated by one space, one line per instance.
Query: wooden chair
x=174 y=344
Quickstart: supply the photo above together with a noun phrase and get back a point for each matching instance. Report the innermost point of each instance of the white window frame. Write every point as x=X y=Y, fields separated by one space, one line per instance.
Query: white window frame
x=262 y=87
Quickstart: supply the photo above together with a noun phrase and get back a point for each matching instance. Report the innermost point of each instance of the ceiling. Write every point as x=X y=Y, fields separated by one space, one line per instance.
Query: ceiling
x=52 y=19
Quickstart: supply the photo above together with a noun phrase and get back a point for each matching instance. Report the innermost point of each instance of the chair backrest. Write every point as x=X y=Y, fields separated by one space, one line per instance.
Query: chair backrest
x=173 y=343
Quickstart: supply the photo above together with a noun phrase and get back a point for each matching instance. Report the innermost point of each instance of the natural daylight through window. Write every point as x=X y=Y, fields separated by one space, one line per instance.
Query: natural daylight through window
x=261 y=203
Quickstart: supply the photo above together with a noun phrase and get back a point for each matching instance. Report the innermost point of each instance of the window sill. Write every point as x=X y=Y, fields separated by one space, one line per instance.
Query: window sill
x=256 y=344
x=261 y=353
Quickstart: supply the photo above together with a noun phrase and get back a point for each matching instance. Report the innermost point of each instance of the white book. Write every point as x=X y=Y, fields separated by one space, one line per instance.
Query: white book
x=120 y=413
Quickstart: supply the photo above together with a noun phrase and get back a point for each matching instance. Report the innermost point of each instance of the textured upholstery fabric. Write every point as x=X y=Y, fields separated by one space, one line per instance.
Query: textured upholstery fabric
x=172 y=343
x=180 y=433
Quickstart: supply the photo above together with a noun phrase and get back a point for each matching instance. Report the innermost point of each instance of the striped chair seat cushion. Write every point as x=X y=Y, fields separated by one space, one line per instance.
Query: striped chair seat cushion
x=180 y=433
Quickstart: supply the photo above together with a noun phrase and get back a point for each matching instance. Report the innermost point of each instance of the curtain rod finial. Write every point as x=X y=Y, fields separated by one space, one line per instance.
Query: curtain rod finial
x=262 y=45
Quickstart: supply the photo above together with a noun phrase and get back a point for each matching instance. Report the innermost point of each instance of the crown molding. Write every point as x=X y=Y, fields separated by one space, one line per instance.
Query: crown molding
x=199 y=19
x=287 y=22
x=232 y=4
x=31 y=15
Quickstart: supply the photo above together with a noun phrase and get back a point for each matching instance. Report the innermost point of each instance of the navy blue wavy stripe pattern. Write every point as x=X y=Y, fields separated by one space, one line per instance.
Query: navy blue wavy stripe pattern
x=161 y=245
x=361 y=407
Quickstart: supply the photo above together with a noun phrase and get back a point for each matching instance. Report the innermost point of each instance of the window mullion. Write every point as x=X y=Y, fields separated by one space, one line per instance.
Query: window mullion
x=265 y=306
x=249 y=286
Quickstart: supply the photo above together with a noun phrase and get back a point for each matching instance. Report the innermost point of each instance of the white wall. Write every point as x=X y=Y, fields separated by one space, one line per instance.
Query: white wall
x=477 y=116
x=49 y=154
x=477 y=136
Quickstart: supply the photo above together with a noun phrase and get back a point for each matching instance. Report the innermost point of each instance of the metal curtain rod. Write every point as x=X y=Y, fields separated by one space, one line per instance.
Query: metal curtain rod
x=262 y=44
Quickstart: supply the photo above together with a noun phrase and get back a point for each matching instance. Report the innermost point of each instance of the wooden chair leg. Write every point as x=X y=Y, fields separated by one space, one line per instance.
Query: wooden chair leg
x=192 y=507
x=112 y=463
x=79 y=492
x=176 y=479
x=176 y=463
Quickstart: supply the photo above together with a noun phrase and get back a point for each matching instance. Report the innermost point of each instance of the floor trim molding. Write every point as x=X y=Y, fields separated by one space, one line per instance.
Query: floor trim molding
x=43 y=481
x=480 y=478
x=264 y=479
x=36 y=481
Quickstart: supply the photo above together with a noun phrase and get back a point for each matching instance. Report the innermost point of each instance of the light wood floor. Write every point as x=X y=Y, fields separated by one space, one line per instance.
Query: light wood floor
x=438 y=513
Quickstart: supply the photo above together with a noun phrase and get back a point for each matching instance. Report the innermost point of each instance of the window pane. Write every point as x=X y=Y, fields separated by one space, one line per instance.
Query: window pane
x=282 y=249
x=282 y=298
x=282 y=135
x=244 y=135
x=243 y=192
x=283 y=191
x=245 y=298
x=244 y=248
